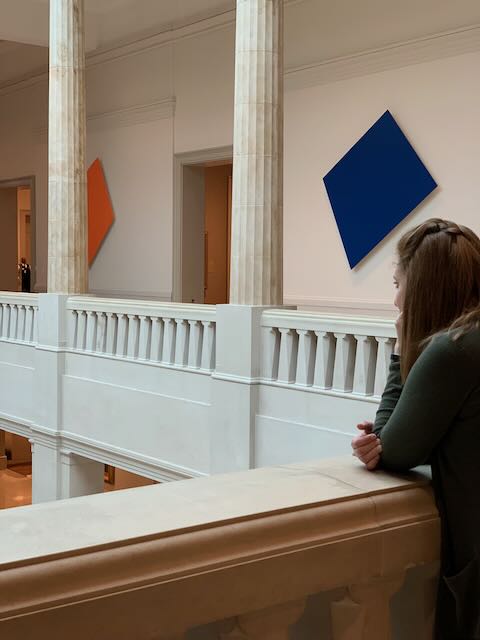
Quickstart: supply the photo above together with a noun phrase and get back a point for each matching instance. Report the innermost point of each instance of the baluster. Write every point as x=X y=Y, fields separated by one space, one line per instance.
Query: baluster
x=101 y=333
x=365 y=360
x=344 y=362
x=306 y=358
x=271 y=353
x=72 y=328
x=111 y=330
x=385 y=350
x=91 y=331
x=195 y=344
x=324 y=360
x=35 y=325
x=12 y=331
x=29 y=324
x=208 y=347
x=157 y=339
x=21 y=323
x=364 y=612
x=181 y=343
x=5 y=320
x=145 y=338
x=81 y=330
x=169 y=339
x=273 y=623
x=287 y=364
x=133 y=335
x=122 y=335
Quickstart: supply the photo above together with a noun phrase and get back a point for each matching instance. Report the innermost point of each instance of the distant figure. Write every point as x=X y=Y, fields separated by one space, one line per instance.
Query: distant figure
x=25 y=272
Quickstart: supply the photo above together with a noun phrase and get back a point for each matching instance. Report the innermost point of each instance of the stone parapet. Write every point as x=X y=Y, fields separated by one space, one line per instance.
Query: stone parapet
x=243 y=551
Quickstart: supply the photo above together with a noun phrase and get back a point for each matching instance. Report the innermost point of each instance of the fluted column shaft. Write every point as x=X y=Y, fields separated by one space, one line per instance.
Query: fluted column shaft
x=257 y=211
x=67 y=207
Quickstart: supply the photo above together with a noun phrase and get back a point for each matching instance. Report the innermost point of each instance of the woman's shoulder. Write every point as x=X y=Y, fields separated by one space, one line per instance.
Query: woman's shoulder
x=457 y=346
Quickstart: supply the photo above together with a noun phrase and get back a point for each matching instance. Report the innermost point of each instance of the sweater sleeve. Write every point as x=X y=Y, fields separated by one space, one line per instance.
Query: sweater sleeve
x=390 y=396
x=411 y=421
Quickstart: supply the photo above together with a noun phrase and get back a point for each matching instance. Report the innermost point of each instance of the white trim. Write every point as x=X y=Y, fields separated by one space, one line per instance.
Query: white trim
x=130 y=116
x=181 y=159
x=353 y=306
x=400 y=54
x=137 y=114
x=158 y=296
x=393 y=56
x=142 y=465
x=162 y=39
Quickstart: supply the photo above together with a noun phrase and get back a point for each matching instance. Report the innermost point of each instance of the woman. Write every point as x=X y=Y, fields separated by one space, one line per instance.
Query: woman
x=430 y=409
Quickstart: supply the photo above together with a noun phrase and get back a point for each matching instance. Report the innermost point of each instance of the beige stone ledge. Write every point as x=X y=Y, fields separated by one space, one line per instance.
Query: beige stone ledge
x=155 y=561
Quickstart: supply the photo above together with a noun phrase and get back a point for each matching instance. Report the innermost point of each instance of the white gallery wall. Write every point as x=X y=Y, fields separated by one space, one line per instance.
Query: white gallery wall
x=146 y=106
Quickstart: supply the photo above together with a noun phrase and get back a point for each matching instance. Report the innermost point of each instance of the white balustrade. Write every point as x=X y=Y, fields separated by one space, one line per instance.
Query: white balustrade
x=174 y=335
x=342 y=355
x=18 y=313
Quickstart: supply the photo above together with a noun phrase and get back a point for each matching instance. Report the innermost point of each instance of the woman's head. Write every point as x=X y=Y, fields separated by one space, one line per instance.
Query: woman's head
x=438 y=274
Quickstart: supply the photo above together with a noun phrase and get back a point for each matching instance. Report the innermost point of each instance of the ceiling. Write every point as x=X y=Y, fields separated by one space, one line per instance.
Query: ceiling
x=315 y=30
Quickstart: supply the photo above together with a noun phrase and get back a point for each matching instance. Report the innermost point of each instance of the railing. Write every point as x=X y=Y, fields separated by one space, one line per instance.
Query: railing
x=311 y=550
x=165 y=334
x=344 y=355
x=18 y=317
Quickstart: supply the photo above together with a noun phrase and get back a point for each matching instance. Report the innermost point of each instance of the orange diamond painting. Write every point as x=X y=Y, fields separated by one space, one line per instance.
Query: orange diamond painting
x=100 y=211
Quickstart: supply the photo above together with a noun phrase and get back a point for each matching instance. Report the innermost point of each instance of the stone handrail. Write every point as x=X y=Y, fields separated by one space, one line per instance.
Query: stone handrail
x=243 y=551
x=327 y=352
x=179 y=335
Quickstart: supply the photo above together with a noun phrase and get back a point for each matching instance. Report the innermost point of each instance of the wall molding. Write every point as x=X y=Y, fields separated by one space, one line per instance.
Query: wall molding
x=355 y=306
x=152 y=468
x=402 y=54
x=119 y=118
x=137 y=114
x=159 y=296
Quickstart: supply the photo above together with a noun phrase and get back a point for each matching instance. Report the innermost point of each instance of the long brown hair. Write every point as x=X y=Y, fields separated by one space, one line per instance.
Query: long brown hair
x=441 y=264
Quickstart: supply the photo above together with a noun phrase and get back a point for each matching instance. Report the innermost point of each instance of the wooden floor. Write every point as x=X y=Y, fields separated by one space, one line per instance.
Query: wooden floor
x=15 y=489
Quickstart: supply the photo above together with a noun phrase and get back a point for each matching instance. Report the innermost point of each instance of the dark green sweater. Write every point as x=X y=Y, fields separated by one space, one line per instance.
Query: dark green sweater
x=435 y=418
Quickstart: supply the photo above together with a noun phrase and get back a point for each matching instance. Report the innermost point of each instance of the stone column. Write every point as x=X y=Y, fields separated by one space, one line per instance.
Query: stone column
x=257 y=212
x=67 y=206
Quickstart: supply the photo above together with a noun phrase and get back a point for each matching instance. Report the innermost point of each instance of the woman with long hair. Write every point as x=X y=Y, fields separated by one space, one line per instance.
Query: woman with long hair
x=430 y=410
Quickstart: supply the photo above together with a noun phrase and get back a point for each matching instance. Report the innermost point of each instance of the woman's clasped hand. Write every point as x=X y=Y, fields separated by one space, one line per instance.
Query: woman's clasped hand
x=367 y=446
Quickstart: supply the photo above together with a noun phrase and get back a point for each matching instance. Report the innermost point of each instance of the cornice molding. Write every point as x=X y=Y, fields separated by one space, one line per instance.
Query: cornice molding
x=354 y=306
x=401 y=54
x=119 y=118
x=394 y=56
x=137 y=114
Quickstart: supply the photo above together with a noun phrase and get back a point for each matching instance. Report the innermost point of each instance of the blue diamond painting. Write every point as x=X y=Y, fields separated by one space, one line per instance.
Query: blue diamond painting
x=375 y=186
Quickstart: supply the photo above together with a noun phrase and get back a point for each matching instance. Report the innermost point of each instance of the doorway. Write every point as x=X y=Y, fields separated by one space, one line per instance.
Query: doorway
x=202 y=227
x=17 y=233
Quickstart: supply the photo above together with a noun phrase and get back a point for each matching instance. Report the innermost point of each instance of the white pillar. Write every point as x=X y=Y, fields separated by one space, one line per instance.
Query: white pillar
x=67 y=206
x=80 y=476
x=58 y=474
x=257 y=212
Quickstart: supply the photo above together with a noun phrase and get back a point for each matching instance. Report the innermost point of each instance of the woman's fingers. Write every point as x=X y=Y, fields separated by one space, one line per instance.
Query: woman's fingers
x=372 y=454
x=363 y=440
x=366 y=426
x=366 y=448
x=373 y=463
